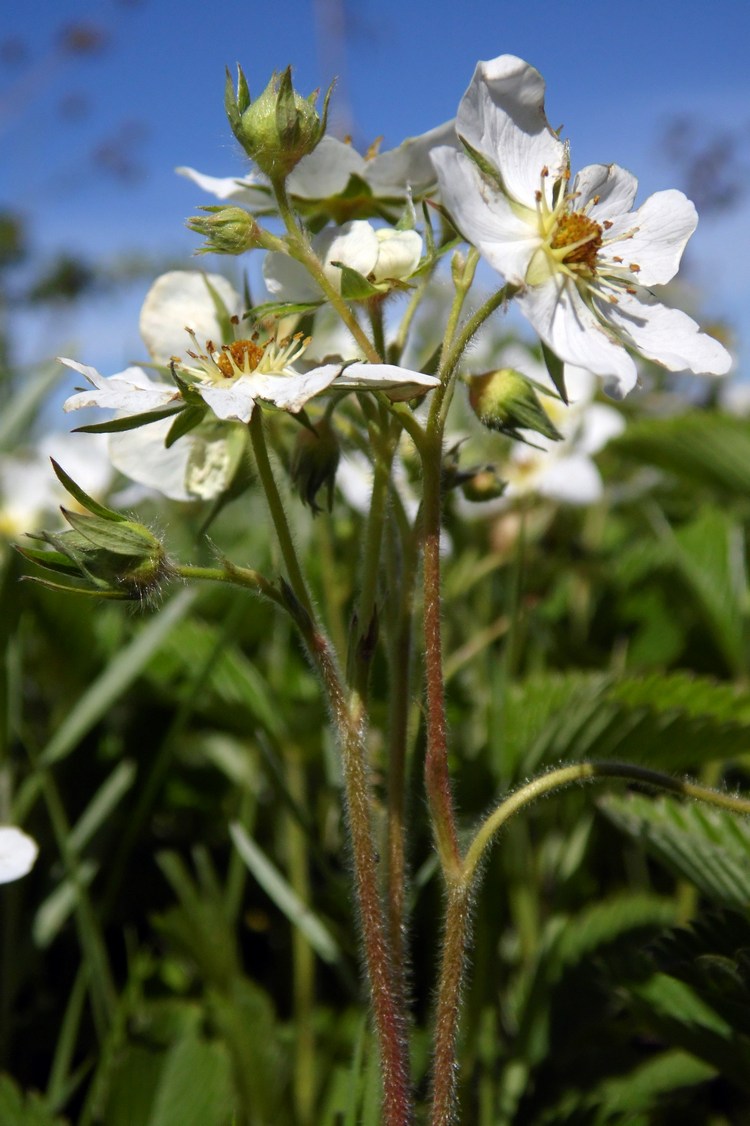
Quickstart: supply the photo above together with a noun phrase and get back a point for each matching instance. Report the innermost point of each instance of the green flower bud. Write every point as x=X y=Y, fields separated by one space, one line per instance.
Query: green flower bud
x=484 y=484
x=505 y=400
x=315 y=459
x=279 y=127
x=226 y=229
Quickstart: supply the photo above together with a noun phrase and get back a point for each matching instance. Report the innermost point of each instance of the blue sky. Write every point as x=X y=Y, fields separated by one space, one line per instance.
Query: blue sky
x=615 y=75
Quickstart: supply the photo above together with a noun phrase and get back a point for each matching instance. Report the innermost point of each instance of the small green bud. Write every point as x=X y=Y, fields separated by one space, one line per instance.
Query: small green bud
x=505 y=400
x=315 y=459
x=115 y=556
x=484 y=484
x=227 y=230
x=279 y=127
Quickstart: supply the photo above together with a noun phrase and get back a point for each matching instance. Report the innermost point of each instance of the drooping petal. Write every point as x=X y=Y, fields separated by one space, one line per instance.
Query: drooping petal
x=399 y=253
x=597 y=425
x=18 y=851
x=502 y=115
x=613 y=188
x=131 y=391
x=484 y=216
x=660 y=230
x=572 y=478
x=290 y=392
x=398 y=383
x=234 y=402
x=238 y=190
x=667 y=336
x=566 y=324
x=287 y=279
x=326 y=170
x=181 y=299
x=142 y=456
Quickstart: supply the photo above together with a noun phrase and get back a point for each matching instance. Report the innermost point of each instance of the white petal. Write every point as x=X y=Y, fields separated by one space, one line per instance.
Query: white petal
x=502 y=115
x=399 y=253
x=229 y=188
x=181 y=299
x=142 y=456
x=355 y=244
x=130 y=391
x=291 y=392
x=484 y=216
x=409 y=165
x=613 y=186
x=326 y=170
x=571 y=330
x=660 y=230
x=573 y=479
x=667 y=336
x=598 y=424
x=398 y=383
x=234 y=403
x=18 y=851
x=287 y=279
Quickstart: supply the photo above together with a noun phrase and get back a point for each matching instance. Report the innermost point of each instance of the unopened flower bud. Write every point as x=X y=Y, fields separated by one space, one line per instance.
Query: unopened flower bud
x=314 y=463
x=483 y=485
x=227 y=230
x=505 y=400
x=279 y=127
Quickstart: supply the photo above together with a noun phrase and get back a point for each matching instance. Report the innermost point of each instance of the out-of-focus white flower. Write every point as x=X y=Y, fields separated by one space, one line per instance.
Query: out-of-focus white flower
x=389 y=178
x=18 y=851
x=30 y=493
x=382 y=255
x=582 y=258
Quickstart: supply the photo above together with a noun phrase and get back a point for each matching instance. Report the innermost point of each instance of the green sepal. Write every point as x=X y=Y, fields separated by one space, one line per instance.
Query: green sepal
x=222 y=313
x=186 y=421
x=129 y=539
x=50 y=560
x=556 y=371
x=429 y=234
x=285 y=309
x=132 y=422
x=407 y=220
x=113 y=595
x=485 y=166
x=354 y=286
x=83 y=498
x=287 y=116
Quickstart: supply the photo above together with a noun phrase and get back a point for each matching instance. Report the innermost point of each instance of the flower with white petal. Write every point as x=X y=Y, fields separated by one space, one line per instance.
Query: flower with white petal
x=582 y=259
x=388 y=179
x=382 y=255
x=18 y=851
x=231 y=378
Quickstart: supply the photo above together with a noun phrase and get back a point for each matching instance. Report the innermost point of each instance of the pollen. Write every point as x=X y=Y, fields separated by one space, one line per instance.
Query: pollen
x=582 y=235
x=241 y=356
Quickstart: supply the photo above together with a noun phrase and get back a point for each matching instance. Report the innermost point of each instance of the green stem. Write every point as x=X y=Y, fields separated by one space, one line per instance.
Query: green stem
x=278 y=514
x=390 y=1024
x=461 y=885
x=299 y=248
x=303 y=957
x=230 y=573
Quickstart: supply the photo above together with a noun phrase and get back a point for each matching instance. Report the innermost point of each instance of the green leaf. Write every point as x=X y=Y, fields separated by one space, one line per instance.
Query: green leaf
x=284 y=896
x=556 y=370
x=709 y=847
x=116 y=678
x=17 y=1109
x=131 y=422
x=702 y=447
x=83 y=498
x=195 y=1087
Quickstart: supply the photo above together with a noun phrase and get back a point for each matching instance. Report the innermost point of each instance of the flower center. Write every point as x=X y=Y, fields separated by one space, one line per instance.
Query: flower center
x=241 y=356
x=579 y=237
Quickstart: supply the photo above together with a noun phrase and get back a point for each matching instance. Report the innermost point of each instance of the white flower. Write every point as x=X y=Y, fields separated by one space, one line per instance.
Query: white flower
x=31 y=494
x=381 y=255
x=230 y=377
x=18 y=852
x=390 y=176
x=582 y=259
